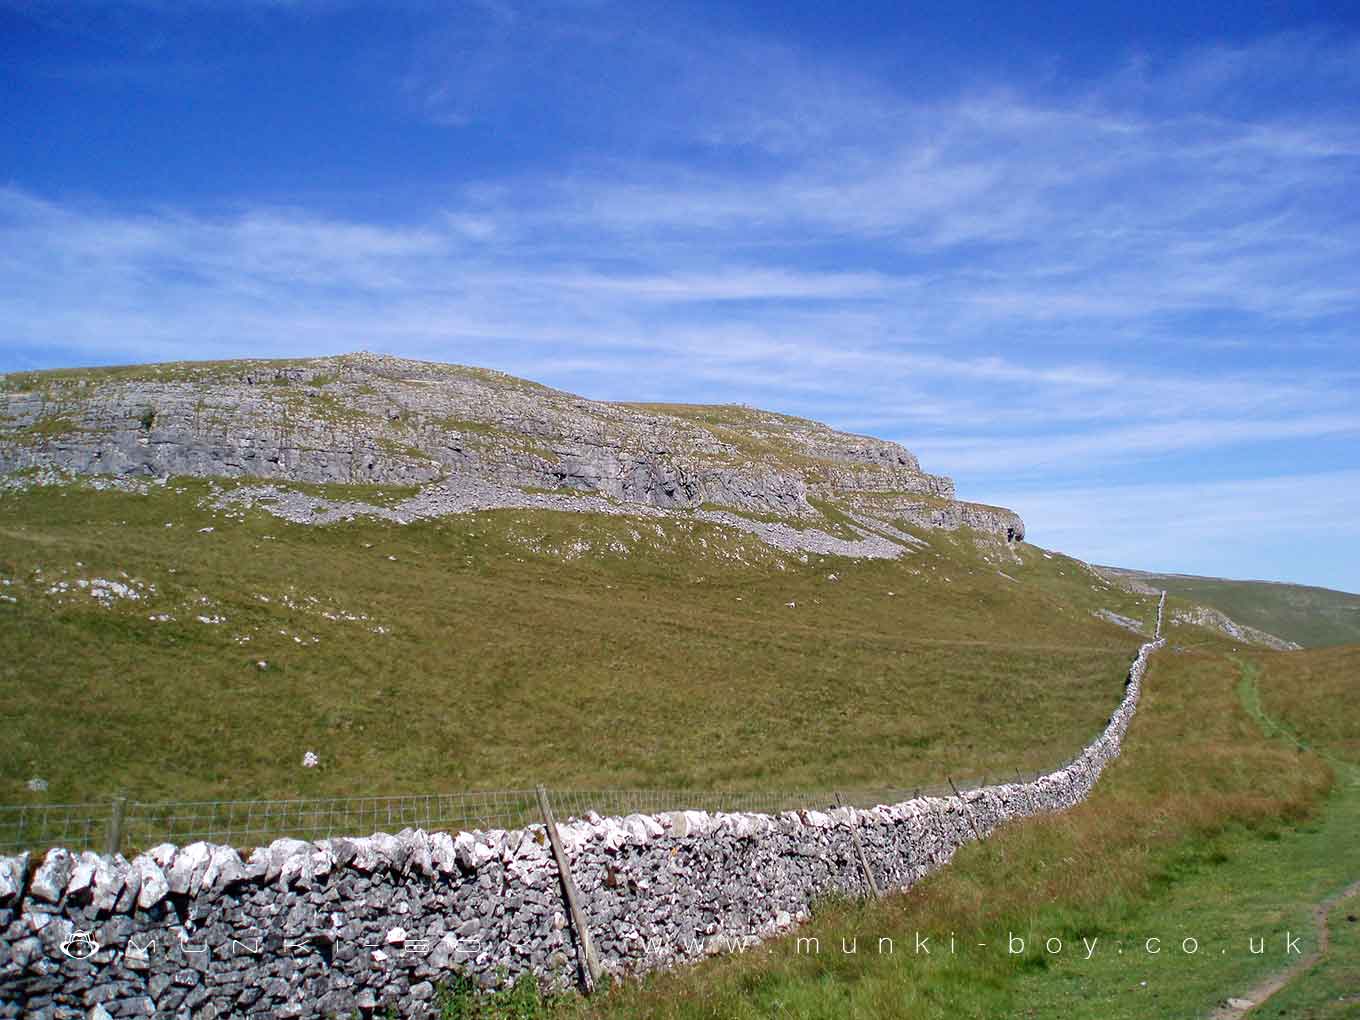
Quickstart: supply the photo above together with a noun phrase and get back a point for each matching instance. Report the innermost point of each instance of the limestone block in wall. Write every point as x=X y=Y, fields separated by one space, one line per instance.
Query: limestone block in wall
x=152 y=884
x=49 y=881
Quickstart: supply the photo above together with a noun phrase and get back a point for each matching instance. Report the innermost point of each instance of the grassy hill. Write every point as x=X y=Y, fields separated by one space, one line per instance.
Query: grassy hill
x=588 y=650
x=161 y=643
x=1214 y=825
x=510 y=647
x=1313 y=617
x=1315 y=697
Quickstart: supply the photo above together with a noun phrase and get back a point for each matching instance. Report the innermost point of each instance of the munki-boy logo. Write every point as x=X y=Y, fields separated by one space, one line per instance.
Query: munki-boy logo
x=1019 y=945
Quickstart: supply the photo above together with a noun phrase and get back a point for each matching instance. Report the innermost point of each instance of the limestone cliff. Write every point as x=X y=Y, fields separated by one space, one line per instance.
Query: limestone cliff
x=365 y=418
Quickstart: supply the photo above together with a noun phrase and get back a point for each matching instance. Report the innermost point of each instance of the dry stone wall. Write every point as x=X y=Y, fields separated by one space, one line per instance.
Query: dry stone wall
x=345 y=926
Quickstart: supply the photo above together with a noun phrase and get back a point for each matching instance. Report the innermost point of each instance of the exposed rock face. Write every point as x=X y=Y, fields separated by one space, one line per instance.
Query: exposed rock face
x=1129 y=580
x=364 y=418
x=1119 y=621
x=1203 y=616
x=927 y=511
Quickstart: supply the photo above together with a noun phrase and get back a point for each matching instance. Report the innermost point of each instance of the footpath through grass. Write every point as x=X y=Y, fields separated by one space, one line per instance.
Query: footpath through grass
x=1314 y=701
x=1241 y=895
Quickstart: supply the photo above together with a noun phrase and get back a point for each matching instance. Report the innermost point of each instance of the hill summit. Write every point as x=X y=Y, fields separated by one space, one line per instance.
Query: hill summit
x=367 y=418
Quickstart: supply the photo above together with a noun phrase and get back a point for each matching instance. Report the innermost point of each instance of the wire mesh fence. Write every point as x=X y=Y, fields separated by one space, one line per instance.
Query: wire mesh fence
x=132 y=826
x=39 y=826
x=129 y=826
x=250 y=822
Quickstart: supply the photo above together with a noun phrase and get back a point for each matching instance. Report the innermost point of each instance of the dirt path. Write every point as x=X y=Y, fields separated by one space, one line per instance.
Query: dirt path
x=1238 y=1007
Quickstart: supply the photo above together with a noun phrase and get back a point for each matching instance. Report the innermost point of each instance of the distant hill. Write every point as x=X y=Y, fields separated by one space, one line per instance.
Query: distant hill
x=1314 y=617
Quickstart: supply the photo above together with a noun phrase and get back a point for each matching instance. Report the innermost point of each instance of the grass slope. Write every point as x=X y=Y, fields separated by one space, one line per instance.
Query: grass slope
x=1313 y=617
x=1304 y=700
x=1216 y=825
x=516 y=647
x=1200 y=786
x=1318 y=697
x=592 y=650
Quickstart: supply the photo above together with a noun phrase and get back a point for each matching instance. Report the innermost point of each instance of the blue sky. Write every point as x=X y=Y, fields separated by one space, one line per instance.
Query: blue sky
x=1100 y=263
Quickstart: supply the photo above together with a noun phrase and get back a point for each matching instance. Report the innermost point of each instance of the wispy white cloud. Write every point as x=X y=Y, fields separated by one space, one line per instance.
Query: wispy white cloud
x=115 y=281
x=1113 y=446
x=1016 y=285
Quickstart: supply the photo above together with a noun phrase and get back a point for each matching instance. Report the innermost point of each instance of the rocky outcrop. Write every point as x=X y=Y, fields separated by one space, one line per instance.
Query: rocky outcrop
x=1203 y=616
x=956 y=513
x=1109 y=616
x=365 y=418
x=463 y=496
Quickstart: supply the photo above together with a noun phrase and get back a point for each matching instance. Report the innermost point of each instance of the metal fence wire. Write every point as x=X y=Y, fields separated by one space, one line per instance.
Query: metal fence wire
x=128 y=826
x=39 y=826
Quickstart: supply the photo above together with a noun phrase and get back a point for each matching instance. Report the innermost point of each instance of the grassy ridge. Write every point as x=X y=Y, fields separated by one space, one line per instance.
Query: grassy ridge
x=576 y=650
x=1312 y=617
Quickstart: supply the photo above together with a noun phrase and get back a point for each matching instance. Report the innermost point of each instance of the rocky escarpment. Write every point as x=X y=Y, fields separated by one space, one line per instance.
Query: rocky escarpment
x=1203 y=616
x=925 y=510
x=366 y=418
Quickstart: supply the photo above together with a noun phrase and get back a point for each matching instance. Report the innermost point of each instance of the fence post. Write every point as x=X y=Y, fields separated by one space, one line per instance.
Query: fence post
x=115 y=833
x=968 y=815
x=591 y=963
x=859 y=849
x=1024 y=786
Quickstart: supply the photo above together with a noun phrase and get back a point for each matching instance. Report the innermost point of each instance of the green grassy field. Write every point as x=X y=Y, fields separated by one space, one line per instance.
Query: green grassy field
x=508 y=648
x=1312 y=617
x=1311 y=701
x=1215 y=825
x=1200 y=789
x=1316 y=696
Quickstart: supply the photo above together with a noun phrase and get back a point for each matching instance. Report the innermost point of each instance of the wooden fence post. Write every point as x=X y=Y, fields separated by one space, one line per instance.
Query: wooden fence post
x=1028 y=799
x=590 y=962
x=968 y=815
x=859 y=849
x=114 y=843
